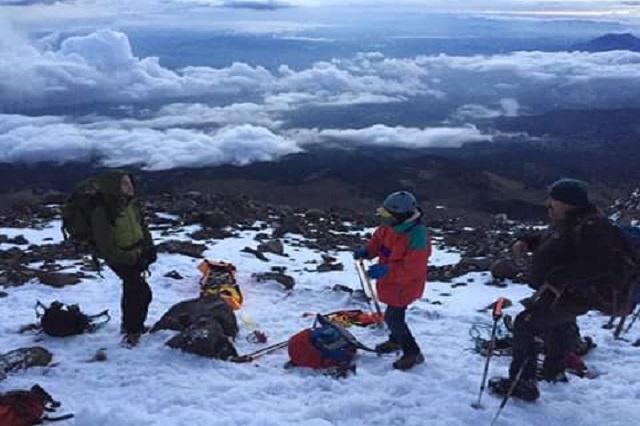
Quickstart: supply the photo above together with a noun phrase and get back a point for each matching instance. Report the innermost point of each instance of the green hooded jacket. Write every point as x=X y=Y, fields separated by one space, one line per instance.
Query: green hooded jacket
x=119 y=231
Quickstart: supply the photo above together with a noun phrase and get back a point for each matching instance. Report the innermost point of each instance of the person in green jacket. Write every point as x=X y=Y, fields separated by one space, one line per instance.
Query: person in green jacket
x=123 y=240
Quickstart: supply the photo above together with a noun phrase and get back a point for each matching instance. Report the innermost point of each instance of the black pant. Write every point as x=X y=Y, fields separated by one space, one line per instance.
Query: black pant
x=400 y=333
x=136 y=297
x=556 y=326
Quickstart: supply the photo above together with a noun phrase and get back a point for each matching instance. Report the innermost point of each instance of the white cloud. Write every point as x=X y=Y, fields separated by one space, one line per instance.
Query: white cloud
x=507 y=107
x=100 y=67
x=54 y=139
x=403 y=137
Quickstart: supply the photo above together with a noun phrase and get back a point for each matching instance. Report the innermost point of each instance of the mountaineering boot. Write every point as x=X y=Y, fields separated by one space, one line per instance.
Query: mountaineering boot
x=526 y=390
x=559 y=377
x=131 y=340
x=407 y=361
x=387 y=347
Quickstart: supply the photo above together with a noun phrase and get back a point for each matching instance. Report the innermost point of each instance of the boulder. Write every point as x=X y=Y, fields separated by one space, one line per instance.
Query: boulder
x=58 y=279
x=272 y=246
x=18 y=240
x=257 y=253
x=504 y=269
x=287 y=281
x=185 y=248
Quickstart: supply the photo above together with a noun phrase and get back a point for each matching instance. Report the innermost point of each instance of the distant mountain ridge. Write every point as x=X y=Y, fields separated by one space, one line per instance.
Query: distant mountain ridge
x=613 y=41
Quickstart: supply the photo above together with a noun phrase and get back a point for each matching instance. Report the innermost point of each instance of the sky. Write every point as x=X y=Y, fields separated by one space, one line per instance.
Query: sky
x=186 y=83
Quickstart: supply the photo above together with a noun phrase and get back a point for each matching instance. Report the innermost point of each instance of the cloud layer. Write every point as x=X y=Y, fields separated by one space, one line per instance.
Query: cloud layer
x=101 y=68
x=185 y=128
x=160 y=143
x=52 y=139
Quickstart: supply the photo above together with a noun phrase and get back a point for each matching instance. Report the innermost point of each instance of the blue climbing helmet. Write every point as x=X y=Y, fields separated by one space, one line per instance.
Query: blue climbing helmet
x=401 y=203
x=398 y=207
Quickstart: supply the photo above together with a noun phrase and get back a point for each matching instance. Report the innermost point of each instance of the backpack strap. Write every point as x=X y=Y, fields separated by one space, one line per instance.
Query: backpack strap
x=350 y=338
x=39 y=309
x=58 y=419
x=98 y=320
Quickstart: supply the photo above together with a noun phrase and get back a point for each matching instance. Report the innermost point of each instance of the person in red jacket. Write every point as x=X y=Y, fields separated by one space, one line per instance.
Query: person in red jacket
x=403 y=246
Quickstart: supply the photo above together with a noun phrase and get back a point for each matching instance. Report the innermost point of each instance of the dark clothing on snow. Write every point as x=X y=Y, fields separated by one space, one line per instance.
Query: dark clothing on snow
x=124 y=241
x=136 y=297
x=399 y=331
x=570 y=258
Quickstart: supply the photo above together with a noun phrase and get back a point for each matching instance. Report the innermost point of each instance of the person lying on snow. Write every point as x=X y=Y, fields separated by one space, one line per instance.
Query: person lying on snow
x=124 y=242
x=577 y=248
x=403 y=246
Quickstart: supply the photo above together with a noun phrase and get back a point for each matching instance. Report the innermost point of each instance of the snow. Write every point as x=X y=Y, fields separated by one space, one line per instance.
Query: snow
x=48 y=234
x=155 y=385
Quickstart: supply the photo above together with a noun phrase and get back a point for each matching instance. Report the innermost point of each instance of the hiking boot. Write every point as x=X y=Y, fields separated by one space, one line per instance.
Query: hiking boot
x=131 y=340
x=559 y=377
x=388 y=347
x=407 y=361
x=526 y=390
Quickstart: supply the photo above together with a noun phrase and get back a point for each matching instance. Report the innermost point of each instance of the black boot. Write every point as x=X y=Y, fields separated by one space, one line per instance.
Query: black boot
x=560 y=377
x=407 y=361
x=526 y=389
x=388 y=347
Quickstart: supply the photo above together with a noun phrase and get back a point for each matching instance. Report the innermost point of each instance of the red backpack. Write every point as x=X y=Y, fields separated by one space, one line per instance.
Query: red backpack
x=325 y=345
x=26 y=408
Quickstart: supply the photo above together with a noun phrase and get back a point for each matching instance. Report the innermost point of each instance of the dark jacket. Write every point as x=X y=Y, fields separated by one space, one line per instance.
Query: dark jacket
x=573 y=256
x=120 y=233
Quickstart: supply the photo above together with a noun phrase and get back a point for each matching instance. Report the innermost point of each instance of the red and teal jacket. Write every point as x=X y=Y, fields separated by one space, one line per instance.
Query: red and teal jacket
x=405 y=249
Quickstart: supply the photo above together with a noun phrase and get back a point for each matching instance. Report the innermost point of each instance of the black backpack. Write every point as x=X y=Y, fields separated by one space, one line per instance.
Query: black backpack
x=612 y=292
x=60 y=320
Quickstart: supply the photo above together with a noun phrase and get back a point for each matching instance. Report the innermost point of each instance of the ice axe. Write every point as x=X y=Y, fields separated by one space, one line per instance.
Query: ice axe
x=366 y=282
x=497 y=314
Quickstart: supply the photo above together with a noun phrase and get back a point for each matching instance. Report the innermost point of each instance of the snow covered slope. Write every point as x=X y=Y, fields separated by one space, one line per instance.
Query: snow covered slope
x=155 y=385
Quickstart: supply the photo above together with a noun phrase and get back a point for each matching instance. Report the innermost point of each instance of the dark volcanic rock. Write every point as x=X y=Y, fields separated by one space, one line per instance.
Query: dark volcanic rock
x=272 y=246
x=185 y=248
x=214 y=219
x=19 y=240
x=58 y=279
x=329 y=264
x=210 y=234
x=3 y=294
x=174 y=275
x=504 y=269
x=287 y=281
x=257 y=253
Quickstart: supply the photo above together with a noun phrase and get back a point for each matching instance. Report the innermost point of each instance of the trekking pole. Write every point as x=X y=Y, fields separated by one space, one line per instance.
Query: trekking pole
x=260 y=352
x=609 y=324
x=634 y=318
x=618 y=330
x=510 y=392
x=370 y=287
x=497 y=314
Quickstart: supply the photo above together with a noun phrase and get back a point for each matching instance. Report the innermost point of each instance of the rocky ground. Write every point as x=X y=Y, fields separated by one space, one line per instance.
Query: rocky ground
x=483 y=240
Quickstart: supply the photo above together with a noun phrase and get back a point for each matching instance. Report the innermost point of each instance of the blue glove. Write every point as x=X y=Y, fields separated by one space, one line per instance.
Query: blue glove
x=377 y=271
x=360 y=253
